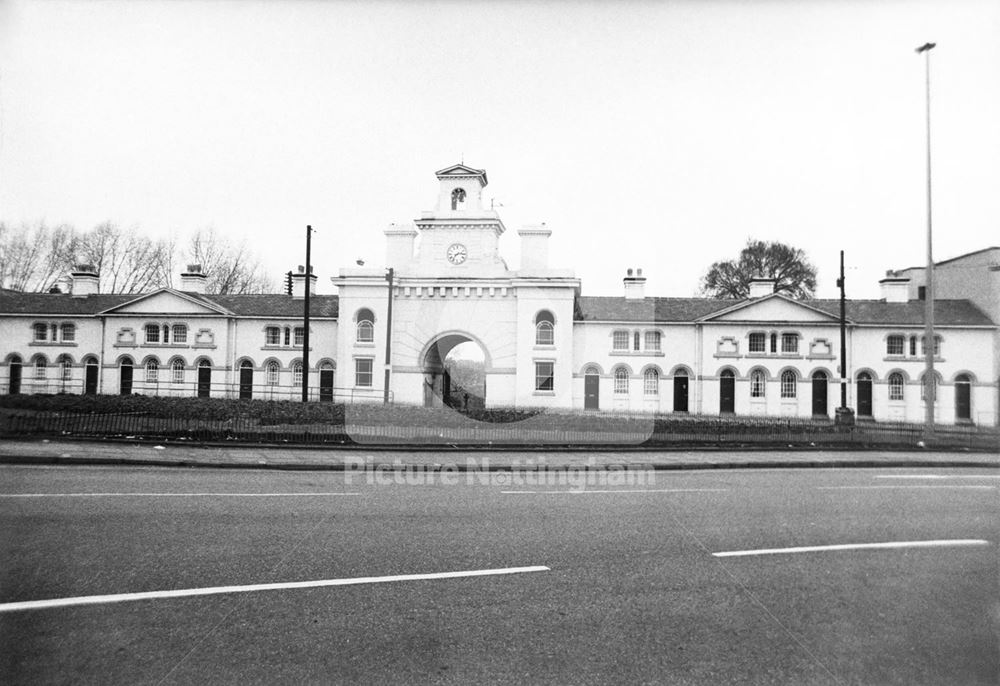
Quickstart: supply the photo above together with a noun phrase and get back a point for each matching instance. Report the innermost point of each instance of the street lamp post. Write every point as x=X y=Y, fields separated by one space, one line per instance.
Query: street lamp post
x=930 y=390
x=388 y=337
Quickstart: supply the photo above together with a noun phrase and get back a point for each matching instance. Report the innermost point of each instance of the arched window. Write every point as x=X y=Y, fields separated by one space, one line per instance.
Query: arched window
x=366 y=326
x=177 y=371
x=271 y=373
x=757 y=384
x=166 y=333
x=651 y=382
x=41 y=365
x=621 y=381
x=457 y=198
x=544 y=328
x=297 y=374
x=152 y=371
x=789 y=384
x=66 y=367
x=895 y=386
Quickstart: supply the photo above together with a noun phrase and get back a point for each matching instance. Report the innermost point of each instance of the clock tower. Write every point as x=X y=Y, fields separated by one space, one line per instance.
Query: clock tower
x=458 y=238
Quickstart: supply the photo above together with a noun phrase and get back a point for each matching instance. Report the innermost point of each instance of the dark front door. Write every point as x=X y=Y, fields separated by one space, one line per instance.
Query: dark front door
x=591 y=392
x=90 y=380
x=864 y=396
x=125 y=383
x=727 y=394
x=326 y=385
x=819 y=394
x=963 y=400
x=246 y=382
x=680 y=394
x=204 y=382
x=15 y=378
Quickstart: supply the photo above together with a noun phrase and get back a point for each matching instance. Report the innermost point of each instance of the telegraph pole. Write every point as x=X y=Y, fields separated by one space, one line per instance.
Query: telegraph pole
x=844 y=415
x=305 y=317
x=930 y=390
x=388 y=337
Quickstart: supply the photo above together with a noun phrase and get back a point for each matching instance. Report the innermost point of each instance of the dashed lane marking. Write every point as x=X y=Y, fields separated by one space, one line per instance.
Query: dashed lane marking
x=902 y=488
x=937 y=476
x=638 y=490
x=856 y=546
x=171 y=495
x=222 y=590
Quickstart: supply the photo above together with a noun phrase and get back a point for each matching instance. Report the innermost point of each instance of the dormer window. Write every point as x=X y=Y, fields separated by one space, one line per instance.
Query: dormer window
x=457 y=198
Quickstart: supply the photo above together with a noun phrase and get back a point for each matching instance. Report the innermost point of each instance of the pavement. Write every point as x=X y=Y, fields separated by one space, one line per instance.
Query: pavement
x=355 y=458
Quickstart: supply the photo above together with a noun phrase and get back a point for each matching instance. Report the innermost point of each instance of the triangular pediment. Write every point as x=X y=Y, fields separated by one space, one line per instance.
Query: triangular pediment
x=460 y=170
x=772 y=308
x=168 y=301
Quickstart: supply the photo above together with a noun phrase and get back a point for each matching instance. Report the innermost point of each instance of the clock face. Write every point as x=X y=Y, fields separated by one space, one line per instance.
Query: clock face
x=457 y=253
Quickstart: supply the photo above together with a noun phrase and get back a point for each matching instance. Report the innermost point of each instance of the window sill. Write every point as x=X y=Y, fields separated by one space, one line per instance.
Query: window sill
x=52 y=344
x=636 y=353
x=545 y=346
x=359 y=344
x=549 y=394
x=732 y=356
x=205 y=346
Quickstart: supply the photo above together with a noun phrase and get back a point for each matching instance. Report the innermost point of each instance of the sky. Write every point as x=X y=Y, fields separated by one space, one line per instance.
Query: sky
x=659 y=135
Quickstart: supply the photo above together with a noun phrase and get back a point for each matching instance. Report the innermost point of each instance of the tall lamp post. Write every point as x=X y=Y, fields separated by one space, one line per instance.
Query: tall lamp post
x=930 y=390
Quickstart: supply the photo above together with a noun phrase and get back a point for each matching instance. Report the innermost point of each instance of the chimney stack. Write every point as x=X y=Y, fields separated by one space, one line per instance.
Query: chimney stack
x=534 y=248
x=895 y=289
x=194 y=280
x=760 y=286
x=399 y=242
x=635 y=286
x=85 y=280
x=299 y=281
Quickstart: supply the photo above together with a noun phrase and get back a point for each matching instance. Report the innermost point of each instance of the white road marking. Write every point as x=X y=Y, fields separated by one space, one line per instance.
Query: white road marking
x=220 y=590
x=170 y=495
x=855 y=546
x=887 y=488
x=638 y=490
x=937 y=476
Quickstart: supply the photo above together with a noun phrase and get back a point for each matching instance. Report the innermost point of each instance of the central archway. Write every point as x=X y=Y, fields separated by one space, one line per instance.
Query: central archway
x=454 y=366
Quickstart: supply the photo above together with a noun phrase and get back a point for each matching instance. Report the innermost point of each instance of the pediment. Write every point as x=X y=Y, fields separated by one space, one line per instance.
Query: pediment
x=460 y=170
x=167 y=301
x=773 y=308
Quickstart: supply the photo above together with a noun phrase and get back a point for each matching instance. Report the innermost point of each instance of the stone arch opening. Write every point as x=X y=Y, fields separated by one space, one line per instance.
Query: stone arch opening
x=454 y=367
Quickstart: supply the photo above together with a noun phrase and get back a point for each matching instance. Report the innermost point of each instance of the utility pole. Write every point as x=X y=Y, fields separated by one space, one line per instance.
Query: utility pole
x=388 y=337
x=844 y=415
x=930 y=390
x=305 y=333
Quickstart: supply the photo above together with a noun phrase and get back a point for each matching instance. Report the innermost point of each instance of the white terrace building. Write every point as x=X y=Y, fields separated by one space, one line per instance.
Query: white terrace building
x=540 y=342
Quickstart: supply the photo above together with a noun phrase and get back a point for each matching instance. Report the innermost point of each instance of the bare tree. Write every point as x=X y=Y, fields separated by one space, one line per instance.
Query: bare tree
x=231 y=268
x=34 y=257
x=126 y=261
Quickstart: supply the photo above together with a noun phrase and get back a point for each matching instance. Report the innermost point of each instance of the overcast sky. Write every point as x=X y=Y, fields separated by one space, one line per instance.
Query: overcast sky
x=655 y=135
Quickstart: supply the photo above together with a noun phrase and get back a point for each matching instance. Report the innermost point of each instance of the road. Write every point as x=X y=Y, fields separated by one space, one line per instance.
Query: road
x=631 y=591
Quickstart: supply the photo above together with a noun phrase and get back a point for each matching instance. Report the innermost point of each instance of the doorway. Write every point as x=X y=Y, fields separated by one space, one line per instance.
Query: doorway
x=125 y=377
x=864 y=394
x=326 y=383
x=204 y=379
x=727 y=392
x=246 y=380
x=14 y=387
x=591 y=389
x=680 y=391
x=90 y=377
x=819 y=394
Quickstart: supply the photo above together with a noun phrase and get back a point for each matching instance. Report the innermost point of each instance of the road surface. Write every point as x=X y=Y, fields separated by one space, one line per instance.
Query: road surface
x=701 y=577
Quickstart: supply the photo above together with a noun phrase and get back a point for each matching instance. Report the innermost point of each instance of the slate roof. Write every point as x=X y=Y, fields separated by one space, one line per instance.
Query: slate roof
x=687 y=310
x=62 y=304
x=589 y=308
